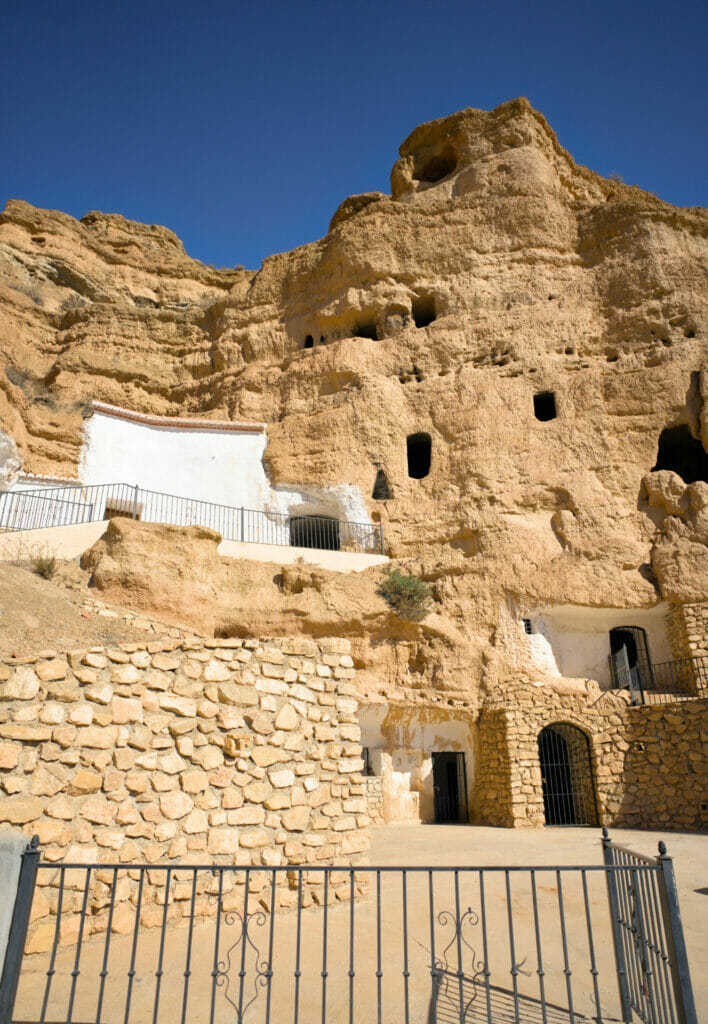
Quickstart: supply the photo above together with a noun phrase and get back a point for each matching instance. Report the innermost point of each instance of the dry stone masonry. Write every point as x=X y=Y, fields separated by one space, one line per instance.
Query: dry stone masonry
x=233 y=751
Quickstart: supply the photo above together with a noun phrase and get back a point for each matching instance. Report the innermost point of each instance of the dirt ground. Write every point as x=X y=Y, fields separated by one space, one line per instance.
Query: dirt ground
x=61 y=613
x=357 y=947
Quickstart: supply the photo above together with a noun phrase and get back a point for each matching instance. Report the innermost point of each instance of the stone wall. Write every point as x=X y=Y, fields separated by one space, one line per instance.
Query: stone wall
x=689 y=630
x=236 y=751
x=649 y=764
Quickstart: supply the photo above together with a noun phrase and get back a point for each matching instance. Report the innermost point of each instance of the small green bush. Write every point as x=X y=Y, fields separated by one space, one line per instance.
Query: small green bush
x=408 y=595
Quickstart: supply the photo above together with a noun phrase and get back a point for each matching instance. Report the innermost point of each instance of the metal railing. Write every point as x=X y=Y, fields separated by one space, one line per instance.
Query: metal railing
x=661 y=683
x=62 y=506
x=650 y=950
x=420 y=945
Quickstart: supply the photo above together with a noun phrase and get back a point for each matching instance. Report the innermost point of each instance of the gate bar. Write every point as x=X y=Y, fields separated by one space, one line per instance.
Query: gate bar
x=683 y=989
x=620 y=962
x=18 y=930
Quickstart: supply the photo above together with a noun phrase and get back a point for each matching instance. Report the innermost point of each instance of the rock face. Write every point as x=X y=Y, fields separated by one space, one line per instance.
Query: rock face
x=541 y=327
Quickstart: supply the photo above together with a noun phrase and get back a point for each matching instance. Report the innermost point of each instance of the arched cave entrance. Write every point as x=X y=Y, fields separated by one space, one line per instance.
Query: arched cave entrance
x=566 y=774
x=419 y=448
x=315 y=532
x=680 y=452
x=309 y=341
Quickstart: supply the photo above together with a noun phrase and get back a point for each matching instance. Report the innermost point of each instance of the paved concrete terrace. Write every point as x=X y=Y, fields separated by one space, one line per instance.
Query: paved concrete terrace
x=411 y=998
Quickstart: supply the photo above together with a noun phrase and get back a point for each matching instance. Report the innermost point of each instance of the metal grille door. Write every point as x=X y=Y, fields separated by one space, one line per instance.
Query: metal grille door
x=450 y=785
x=566 y=773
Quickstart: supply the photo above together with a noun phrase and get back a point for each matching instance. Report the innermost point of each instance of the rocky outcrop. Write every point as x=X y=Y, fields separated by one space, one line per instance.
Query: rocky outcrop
x=542 y=325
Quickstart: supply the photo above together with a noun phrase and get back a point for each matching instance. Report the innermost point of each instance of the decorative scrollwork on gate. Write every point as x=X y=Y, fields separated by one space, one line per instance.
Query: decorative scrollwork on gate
x=445 y=977
x=251 y=963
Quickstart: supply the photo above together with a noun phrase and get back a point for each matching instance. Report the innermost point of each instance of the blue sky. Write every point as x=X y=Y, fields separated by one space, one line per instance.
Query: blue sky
x=242 y=126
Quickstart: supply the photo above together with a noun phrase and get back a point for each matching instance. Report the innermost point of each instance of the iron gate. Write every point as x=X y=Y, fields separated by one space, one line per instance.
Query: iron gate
x=566 y=775
x=457 y=945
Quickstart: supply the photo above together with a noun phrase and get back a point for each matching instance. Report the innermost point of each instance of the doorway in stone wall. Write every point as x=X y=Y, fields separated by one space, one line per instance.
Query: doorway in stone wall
x=450 y=787
x=566 y=775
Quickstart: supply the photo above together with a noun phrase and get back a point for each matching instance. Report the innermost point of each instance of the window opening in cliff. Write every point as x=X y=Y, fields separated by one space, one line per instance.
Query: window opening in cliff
x=315 y=532
x=367 y=329
x=381 y=491
x=566 y=775
x=680 y=452
x=309 y=341
x=423 y=310
x=528 y=626
x=450 y=787
x=419 y=453
x=630 y=663
x=438 y=166
x=544 y=406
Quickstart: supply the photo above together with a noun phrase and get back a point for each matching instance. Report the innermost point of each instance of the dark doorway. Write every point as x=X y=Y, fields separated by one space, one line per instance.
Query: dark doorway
x=308 y=342
x=544 y=406
x=632 y=640
x=366 y=330
x=315 y=532
x=566 y=774
x=450 y=787
x=680 y=452
x=419 y=448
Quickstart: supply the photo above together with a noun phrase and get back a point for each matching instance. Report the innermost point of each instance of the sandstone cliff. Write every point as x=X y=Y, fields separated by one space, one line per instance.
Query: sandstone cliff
x=497 y=270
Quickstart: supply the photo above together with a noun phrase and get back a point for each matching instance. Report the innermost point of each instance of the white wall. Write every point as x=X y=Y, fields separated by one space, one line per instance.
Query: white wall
x=219 y=466
x=579 y=637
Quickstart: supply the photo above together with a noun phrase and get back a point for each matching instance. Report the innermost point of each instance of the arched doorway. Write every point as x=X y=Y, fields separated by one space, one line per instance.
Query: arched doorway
x=566 y=774
x=632 y=642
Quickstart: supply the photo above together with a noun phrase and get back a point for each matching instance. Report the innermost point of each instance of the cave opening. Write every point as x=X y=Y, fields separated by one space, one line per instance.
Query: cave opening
x=544 y=406
x=315 y=532
x=367 y=329
x=419 y=448
x=680 y=452
x=382 y=490
x=423 y=310
x=308 y=342
x=438 y=166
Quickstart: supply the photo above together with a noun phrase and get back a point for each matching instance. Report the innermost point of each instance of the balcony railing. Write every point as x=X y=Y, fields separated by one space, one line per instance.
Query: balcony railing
x=63 y=506
x=664 y=682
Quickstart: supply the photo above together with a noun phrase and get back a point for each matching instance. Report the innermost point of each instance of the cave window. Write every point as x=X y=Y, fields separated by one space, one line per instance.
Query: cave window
x=419 y=450
x=423 y=310
x=438 y=166
x=544 y=406
x=309 y=341
x=528 y=626
x=315 y=532
x=381 y=491
x=680 y=452
x=366 y=330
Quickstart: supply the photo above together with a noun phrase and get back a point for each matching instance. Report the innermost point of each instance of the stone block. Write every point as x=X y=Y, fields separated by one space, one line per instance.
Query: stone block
x=47 y=671
x=23 y=684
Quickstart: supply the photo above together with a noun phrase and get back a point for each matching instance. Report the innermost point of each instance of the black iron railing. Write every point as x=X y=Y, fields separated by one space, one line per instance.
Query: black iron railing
x=430 y=945
x=662 y=682
x=62 y=506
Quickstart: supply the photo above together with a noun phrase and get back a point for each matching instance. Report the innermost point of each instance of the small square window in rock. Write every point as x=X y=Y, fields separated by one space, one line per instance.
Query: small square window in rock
x=528 y=626
x=544 y=406
x=423 y=310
